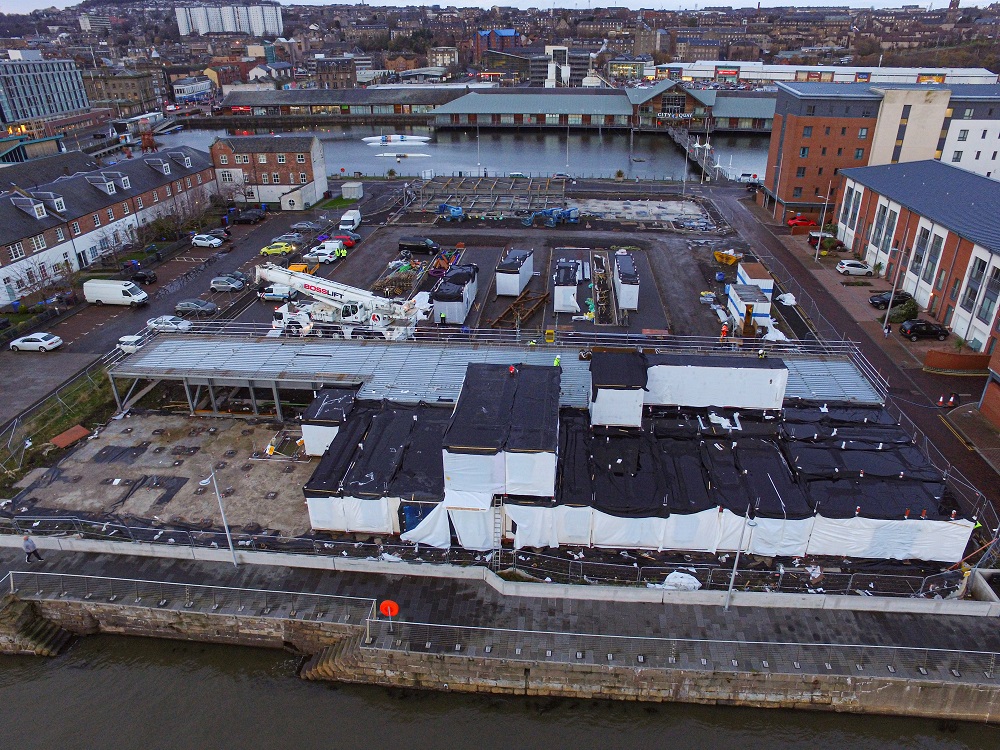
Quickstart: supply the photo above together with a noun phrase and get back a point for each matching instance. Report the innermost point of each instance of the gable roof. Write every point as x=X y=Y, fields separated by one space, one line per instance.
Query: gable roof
x=962 y=202
x=269 y=144
x=535 y=101
x=643 y=94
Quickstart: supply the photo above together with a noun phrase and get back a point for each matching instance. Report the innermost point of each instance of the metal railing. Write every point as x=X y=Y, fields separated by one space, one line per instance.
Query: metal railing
x=219 y=600
x=646 y=652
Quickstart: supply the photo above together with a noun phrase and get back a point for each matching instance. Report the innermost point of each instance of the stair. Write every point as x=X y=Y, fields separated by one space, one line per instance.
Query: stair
x=24 y=631
x=334 y=660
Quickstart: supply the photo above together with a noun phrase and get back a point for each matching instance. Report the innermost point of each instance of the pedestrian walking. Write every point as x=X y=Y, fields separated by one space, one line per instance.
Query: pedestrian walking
x=30 y=548
x=887 y=330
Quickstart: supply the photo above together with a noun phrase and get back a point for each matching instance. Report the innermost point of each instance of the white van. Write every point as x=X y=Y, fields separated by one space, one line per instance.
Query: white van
x=277 y=293
x=350 y=221
x=114 y=292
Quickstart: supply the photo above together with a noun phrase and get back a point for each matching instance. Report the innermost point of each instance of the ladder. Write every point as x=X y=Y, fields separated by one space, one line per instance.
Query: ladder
x=497 y=535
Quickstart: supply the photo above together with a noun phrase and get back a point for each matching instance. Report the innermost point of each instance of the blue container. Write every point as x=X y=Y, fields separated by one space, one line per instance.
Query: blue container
x=720 y=276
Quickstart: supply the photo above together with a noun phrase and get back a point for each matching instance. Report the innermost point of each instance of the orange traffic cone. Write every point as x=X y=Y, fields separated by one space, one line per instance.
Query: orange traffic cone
x=941 y=400
x=953 y=399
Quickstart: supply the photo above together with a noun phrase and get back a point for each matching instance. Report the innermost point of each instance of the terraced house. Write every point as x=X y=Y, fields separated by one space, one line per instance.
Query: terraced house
x=50 y=230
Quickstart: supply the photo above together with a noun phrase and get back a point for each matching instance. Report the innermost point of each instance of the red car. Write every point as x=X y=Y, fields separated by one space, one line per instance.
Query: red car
x=801 y=221
x=347 y=239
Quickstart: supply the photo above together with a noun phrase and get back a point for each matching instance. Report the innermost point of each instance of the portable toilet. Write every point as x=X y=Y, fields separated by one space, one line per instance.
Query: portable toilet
x=626 y=281
x=514 y=272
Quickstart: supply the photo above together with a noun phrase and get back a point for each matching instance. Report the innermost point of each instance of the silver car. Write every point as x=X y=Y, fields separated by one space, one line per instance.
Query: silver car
x=196 y=306
x=295 y=237
x=227 y=284
x=168 y=323
x=306 y=226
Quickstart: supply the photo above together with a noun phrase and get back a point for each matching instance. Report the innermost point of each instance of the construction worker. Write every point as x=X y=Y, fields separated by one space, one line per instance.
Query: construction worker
x=556 y=361
x=761 y=354
x=725 y=332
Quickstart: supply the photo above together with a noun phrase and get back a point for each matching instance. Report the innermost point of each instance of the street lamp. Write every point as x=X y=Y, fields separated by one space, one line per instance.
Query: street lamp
x=210 y=479
x=479 y=161
x=752 y=523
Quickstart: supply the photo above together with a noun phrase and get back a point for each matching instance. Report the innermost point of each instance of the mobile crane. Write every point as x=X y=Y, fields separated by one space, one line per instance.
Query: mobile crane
x=338 y=310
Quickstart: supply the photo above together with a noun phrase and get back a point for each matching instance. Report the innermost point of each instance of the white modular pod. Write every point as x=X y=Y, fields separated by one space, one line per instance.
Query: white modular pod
x=694 y=532
x=475 y=472
x=620 y=407
x=514 y=272
x=756 y=274
x=565 y=280
x=626 y=280
x=743 y=296
x=454 y=295
x=325 y=514
x=470 y=513
x=378 y=515
x=434 y=530
x=733 y=532
x=536 y=525
x=574 y=525
x=783 y=537
x=631 y=533
x=317 y=438
x=740 y=383
x=903 y=539
x=530 y=473
x=474 y=528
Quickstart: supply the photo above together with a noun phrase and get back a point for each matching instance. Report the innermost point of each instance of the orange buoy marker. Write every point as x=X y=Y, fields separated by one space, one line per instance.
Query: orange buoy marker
x=389 y=609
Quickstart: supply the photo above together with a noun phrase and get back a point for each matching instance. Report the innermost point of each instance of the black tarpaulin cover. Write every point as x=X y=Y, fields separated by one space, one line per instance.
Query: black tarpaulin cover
x=332 y=467
x=566 y=273
x=683 y=475
x=331 y=406
x=868 y=433
x=573 y=473
x=721 y=361
x=831 y=462
x=376 y=463
x=445 y=291
x=497 y=410
x=727 y=487
x=626 y=268
x=462 y=274
x=420 y=475
x=617 y=370
x=834 y=414
x=877 y=498
x=769 y=482
x=627 y=477
x=513 y=262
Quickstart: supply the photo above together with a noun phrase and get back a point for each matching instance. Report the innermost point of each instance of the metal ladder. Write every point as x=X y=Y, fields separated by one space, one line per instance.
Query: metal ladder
x=497 y=535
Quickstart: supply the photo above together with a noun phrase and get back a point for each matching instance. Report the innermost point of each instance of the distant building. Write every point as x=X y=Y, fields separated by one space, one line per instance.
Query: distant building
x=279 y=71
x=442 y=57
x=126 y=92
x=192 y=89
x=500 y=40
x=37 y=90
x=89 y=22
x=289 y=171
x=336 y=73
x=255 y=20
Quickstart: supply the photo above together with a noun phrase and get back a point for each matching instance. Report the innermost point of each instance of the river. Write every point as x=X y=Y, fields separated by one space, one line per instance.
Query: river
x=139 y=694
x=532 y=152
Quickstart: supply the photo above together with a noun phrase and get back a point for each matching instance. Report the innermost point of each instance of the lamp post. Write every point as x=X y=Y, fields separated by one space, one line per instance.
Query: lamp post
x=479 y=161
x=822 y=220
x=210 y=479
x=752 y=523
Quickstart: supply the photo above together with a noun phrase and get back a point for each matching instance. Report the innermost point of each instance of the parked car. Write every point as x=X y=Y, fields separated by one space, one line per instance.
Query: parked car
x=196 y=307
x=855 y=268
x=348 y=238
x=249 y=216
x=880 y=301
x=277 y=293
x=814 y=238
x=801 y=221
x=278 y=248
x=165 y=323
x=223 y=233
x=321 y=255
x=561 y=176
x=922 y=329
x=306 y=226
x=294 y=237
x=36 y=342
x=130 y=344
x=244 y=277
x=143 y=276
x=226 y=284
x=206 y=240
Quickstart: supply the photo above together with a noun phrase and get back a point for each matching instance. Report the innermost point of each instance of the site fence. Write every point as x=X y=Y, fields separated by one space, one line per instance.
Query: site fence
x=221 y=600
x=537 y=566
x=635 y=652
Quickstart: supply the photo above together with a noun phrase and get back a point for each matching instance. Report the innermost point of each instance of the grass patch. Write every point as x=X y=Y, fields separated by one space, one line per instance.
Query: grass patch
x=856 y=283
x=336 y=203
x=18 y=317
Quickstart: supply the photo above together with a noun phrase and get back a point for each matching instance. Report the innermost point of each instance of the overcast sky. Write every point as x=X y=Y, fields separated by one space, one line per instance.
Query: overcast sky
x=24 y=6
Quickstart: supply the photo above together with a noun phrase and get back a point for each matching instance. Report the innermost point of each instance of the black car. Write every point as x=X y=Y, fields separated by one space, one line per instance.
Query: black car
x=249 y=216
x=923 y=329
x=880 y=301
x=143 y=276
x=223 y=233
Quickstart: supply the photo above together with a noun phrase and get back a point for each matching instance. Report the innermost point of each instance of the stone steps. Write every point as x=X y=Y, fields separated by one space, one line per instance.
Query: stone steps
x=334 y=660
x=24 y=631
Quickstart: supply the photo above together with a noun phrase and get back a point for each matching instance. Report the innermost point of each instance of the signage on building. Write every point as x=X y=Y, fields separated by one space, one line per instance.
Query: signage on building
x=673 y=115
x=862 y=77
x=930 y=78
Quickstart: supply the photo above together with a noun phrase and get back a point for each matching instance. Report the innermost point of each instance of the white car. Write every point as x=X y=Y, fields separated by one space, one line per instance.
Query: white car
x=206 y=240
x=855 y=268
x=168 y=323
x=320 y=255
x=36 y=342
x=130 y=344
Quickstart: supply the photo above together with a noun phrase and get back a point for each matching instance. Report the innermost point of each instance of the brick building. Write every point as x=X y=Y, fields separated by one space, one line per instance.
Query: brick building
x=126 y=92
x=51 y=229
x=500 y=40
x=289 y=171
x=930 y=228
x=336 y=73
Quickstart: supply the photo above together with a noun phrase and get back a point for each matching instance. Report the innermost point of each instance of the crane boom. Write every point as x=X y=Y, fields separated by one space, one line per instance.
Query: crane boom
x=330 y=292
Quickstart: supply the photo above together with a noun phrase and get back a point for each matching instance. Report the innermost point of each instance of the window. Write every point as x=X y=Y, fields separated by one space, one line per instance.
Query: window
x=60 y=205
x=60 y=234
x=138 y=201
x=879 y=225
x=126 y=184
x=265 y=178
x=198 y=176
x=75 y=228
x=262 y=158
x=276 y=178
x=242 y=159
x=843 y=131
x=923 y=237
x=797 y=192
x=967 y=114
x=111 y=213
x=957 y=156
x=974 y=284
x=828 y=131
x=111 y=188
x=846 y=208
x=822 y=151
x=226 y=176
x=281 y=158
x=862 y=133
x=39 y=211
x=988 y=306
x=125 y=209
x=800 y=172
x=168 y=191
x=954 y=288
x=994 y=157
x=807 y=131
x=302 y=178
x=859 y=153
x=156 y=196
x=978 y=153
x=984 y=135
x=187 y=182
x=932 y=258
x=16 y=251
x=223 y=158
x=300 y=158
x=177 y=186
x=804 y=152
x=96 y=218
x=840 y=152
x=963 y=135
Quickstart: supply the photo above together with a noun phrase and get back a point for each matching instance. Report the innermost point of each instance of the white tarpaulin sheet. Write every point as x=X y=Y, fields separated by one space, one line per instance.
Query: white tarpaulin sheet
x=639 y=533
x=564 y=299
x=475 y=472
x=743 y=388
x=536 y=526
x=779 y=536
x=730 y=528
x=530 y=473
x=574 y=525
x=434 y=530
x=617 y=406
x=474 y=528
x=698 y=532
x=896 y=539
x=459 y=500
x=325 y=514
x=379 y=515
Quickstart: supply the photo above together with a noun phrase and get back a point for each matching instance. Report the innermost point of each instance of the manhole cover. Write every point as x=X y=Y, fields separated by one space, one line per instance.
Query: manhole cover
x=178 y=462
x=127 y=430
x=159 y=449
x=159 y=431
x=271 y=495
x=107 y=481
x=212 y=430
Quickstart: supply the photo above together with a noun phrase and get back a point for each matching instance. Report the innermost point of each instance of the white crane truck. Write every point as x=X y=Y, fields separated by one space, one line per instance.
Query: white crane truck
x=338 y=310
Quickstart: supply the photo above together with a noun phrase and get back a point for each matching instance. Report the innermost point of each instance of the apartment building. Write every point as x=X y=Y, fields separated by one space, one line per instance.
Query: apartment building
x=255 y=20
x=336 y=73
x=822 y=128
x=62 y=226
x=126 y=92
x=32 y=89
x=277 y=170
x=932 y=229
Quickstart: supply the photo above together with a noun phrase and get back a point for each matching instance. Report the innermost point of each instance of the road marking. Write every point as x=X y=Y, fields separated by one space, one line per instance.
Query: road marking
x=968 y=446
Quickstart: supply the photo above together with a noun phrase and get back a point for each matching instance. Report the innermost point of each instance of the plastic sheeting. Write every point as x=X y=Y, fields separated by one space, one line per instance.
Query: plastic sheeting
x=780 y=537
x=631 y=533
x=743 y=385
x=470 y=514
x=475 y=472
x=349 y=514
x=434 y=530
x=474 y=528
x=530 y=473
x=912 y=539
x=618 y=407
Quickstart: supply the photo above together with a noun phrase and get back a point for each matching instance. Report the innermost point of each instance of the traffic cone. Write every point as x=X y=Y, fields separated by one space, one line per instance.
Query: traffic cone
x=941 y=400
x=953 y=399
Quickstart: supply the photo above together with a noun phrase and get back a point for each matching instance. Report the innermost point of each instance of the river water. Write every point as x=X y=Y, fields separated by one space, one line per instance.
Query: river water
x=139 y=694
x=590 y=154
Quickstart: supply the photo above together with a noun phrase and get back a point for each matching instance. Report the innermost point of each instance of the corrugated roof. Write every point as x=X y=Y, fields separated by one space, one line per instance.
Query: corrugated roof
x=963 y=202
x=645 y=93
x=523 y=102
x=335 y=97
x=745 y=106
x=873 y=91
